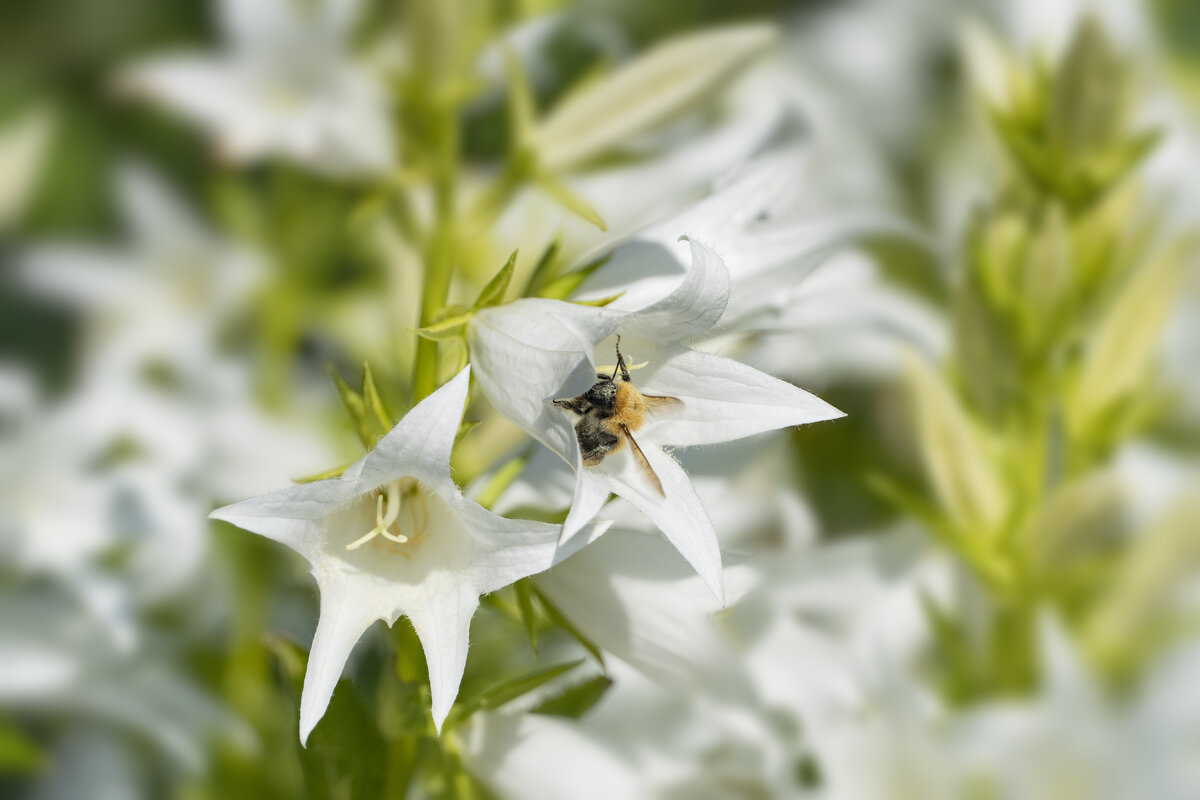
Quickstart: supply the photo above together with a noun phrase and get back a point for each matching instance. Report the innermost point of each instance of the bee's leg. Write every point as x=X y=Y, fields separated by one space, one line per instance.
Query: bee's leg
x=624 y=370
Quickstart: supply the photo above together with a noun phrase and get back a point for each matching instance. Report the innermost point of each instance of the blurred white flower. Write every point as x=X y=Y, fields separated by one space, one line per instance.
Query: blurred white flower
x=55 y=659
x=286 y=85
x=393 y=535
x=529 y=352
x=538 y=757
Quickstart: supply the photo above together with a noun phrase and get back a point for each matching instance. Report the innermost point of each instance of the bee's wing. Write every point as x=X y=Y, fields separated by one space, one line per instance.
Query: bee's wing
x=640 y=457
x=657 y=402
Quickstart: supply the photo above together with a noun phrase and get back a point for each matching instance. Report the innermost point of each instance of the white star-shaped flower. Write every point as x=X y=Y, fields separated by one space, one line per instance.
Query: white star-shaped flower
x=527 y=353
x=394 y=535
x=286 y=86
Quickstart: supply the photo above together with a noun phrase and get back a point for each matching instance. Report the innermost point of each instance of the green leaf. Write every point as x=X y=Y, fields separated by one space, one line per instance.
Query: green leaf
x=508 y=691
x=528 y=614
x=336 y=472
x=522 y=111
x=554 y=186
x=374 y=402
x=958 y=460
x=451 y=326
x=543 y=271
x=576 y=700
x=493 y=293
x=564 y=286
x=1121 y=350
x=556 y=616
x=19 y=754
x=600 y=302
x=356 y=408
x=465 y=427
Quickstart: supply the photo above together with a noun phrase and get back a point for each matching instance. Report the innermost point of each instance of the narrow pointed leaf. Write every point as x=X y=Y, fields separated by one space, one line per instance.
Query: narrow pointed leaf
x=528 y=615
x=493 y=293
x=374 y=402
x=567 y=198
x=564 y=286
x=356 y=408
x=577 y=700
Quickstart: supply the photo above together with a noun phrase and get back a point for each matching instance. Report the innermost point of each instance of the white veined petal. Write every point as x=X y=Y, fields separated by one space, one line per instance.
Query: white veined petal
x=632 y=596
x=644 y=93
x=294 y=516
x=511 y=754
x=529 y=352
x=591 y=493
x=692 y=309
x=420 y=444
x=348 y=608
x=725 y=400
x=521 y=547
x=441 y=616
x=679 y=515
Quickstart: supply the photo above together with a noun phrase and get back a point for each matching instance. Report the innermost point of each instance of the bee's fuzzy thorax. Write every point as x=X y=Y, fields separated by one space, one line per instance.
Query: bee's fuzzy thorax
x=630 y=407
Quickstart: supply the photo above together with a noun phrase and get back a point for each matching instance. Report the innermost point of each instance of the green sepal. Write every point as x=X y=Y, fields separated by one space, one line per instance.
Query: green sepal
x=506 y=692
x=335 y=472
x=544 y=271
x=465 y=427
x=374 y=402
x=567 y=198
x=493 y=293
x=564 y=286
x=450 y=324
x=577 y=700
x=528 y=615
x=600 y=302
x=556 y=616
x=356 y=407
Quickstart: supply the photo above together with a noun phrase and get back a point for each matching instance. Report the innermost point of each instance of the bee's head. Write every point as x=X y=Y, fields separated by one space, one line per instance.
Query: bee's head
x=603 y=392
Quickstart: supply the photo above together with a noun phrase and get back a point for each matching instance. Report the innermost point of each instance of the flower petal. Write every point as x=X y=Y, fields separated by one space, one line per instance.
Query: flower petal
x=689 y=311
x=293 y=516
x=526 y=353
x=441 y=616
x=347 y=611
x=679 y=514
x=591 y=493
x=510 y=755
x=420 y=444
x=725 y=400
x=630 y=594
x=511 y=549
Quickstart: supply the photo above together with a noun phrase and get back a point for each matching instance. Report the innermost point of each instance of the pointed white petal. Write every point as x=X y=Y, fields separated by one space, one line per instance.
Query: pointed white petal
x=529 y=352
x=632 y=596
x=591 y=493
x=220 y=95
x=689 y=311
x=539 y=757
x=420 y=444
x=679 y=515
x=441 y=616
x=510 y=549
x=294 y=516
x=347 y=610
x=725 y=400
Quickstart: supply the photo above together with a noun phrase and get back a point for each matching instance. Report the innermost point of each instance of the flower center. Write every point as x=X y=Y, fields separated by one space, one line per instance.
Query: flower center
x=392 y=497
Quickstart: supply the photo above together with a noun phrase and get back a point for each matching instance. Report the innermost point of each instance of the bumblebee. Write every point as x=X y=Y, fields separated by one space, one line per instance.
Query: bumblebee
x=608 y=413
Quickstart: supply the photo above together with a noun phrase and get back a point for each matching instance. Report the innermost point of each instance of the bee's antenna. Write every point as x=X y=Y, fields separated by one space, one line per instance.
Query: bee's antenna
x=620 y=363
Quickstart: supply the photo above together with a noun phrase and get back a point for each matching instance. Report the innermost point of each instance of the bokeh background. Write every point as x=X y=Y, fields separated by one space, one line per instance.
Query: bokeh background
x=968 y=225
